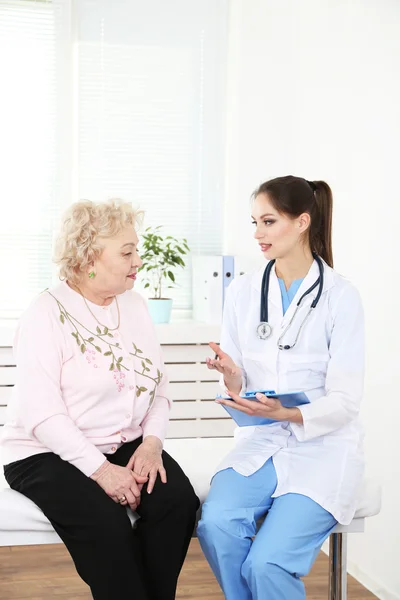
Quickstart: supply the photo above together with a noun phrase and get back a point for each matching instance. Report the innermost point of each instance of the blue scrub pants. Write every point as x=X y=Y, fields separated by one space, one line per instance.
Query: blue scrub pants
x=285 y=547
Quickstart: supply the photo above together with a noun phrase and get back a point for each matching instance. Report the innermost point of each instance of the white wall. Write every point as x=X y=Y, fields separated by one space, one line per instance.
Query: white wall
x=313 y=90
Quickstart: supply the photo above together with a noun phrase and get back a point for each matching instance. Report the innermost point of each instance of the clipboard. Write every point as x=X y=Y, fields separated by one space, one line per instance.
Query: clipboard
x=287 y=399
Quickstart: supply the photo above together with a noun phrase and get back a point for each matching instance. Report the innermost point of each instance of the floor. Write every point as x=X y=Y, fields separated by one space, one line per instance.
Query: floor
x=44 y=572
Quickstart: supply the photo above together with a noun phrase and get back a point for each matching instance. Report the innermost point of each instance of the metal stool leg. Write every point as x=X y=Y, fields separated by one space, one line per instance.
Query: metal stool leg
x=338 y=566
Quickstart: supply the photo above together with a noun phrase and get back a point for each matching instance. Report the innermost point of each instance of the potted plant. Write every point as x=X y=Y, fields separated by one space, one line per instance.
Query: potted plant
x=161 y=257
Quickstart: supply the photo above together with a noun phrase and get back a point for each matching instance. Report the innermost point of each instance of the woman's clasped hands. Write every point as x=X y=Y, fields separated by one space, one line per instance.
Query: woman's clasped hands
x=120 y=483
x=124 y=484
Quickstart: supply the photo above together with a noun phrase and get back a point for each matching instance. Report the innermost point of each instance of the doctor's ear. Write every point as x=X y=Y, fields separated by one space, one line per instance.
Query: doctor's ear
x=303 y=222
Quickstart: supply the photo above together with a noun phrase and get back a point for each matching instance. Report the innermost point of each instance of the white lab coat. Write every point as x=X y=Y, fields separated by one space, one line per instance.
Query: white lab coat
x=323 y=458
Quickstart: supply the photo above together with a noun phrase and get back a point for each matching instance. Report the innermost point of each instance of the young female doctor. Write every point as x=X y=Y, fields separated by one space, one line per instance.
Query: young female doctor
x=303 y=471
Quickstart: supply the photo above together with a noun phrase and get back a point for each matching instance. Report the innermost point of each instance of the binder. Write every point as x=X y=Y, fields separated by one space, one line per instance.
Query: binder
x=211 y=276
x=207 y=287
x=228 y=273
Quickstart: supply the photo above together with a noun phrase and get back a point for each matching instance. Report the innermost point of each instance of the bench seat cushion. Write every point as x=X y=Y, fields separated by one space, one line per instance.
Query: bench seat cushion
x=197 y=457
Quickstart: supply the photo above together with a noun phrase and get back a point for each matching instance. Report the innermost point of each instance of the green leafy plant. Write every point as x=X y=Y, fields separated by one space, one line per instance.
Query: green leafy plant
x=161 y=257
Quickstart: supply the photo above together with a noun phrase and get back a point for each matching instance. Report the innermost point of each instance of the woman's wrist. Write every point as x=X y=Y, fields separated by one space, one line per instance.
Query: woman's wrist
x=153 y=440
x=101 y=470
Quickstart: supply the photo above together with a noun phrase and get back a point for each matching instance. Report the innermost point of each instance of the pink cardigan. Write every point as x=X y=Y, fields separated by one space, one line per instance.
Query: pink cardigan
x=83 y=388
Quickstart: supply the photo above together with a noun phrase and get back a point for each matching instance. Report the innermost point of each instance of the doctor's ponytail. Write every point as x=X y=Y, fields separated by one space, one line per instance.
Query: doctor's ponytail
x=294 y=196
x=321 y=224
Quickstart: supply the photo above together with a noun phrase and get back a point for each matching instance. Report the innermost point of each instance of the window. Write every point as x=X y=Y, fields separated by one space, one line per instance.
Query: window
x=27 y=151
x=151 y=87
x=148 y=126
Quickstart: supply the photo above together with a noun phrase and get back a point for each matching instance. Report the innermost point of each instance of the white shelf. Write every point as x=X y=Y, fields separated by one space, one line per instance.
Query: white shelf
x=182 y=331
x=7 y=331
x=187 y=332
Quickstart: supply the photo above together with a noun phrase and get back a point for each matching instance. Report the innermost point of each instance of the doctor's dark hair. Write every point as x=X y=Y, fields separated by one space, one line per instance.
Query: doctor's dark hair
x=293 y=196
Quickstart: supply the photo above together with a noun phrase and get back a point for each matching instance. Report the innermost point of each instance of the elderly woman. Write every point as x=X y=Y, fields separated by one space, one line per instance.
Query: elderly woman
x=88 y=416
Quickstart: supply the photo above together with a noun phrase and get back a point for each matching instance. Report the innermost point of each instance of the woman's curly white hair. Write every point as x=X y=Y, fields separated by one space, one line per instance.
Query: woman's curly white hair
x=84 y=223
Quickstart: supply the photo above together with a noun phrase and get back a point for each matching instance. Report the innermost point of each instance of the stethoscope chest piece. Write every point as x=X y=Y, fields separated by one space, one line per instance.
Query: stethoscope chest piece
x=264 y=330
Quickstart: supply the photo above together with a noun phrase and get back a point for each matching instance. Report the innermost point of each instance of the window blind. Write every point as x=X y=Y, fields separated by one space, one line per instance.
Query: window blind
x=147 y=125
x=27 y=151
x=151 y=114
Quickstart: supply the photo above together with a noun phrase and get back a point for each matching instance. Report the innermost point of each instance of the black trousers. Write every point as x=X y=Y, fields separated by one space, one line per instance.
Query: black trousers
x=115 y=560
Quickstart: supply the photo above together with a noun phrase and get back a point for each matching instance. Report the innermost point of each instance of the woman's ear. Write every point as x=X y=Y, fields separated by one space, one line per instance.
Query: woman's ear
x=90 y=270
x=303 y=222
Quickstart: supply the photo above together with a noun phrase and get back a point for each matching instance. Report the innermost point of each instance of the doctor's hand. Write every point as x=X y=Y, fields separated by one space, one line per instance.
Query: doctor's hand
x=270 y=408
x=225 y=365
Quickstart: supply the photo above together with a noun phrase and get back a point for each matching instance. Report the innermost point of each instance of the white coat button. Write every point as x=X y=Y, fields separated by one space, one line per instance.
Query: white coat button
x=128 y=416
x=113 y=449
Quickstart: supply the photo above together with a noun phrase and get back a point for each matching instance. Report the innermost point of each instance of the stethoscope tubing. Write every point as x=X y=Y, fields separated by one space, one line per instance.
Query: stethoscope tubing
x=264 y=303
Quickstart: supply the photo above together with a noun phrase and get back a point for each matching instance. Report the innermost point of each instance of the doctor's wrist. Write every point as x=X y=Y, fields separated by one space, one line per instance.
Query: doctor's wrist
x=293 y=415
x=233 y=384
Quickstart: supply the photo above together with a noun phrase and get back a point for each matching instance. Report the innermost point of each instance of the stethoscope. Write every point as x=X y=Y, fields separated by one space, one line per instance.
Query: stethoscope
x=264 y=329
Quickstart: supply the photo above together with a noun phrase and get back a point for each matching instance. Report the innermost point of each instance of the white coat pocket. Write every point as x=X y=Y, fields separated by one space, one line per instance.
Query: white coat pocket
x=306 y=371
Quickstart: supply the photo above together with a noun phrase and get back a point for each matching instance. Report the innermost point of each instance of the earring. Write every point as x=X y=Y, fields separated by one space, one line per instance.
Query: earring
x=92 y=274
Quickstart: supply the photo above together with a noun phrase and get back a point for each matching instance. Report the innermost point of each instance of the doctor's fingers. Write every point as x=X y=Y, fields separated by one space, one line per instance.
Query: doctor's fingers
x=255 y=411
x=213 y=364
x=235 y=405
x=217 y=350
x=225 y=366
x=254 y=408
x=272 y=403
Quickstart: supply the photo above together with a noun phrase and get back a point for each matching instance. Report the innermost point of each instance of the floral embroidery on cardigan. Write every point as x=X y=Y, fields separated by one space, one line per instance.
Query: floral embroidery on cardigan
x=87 y=340
x=91 y=357
x=145 y=369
